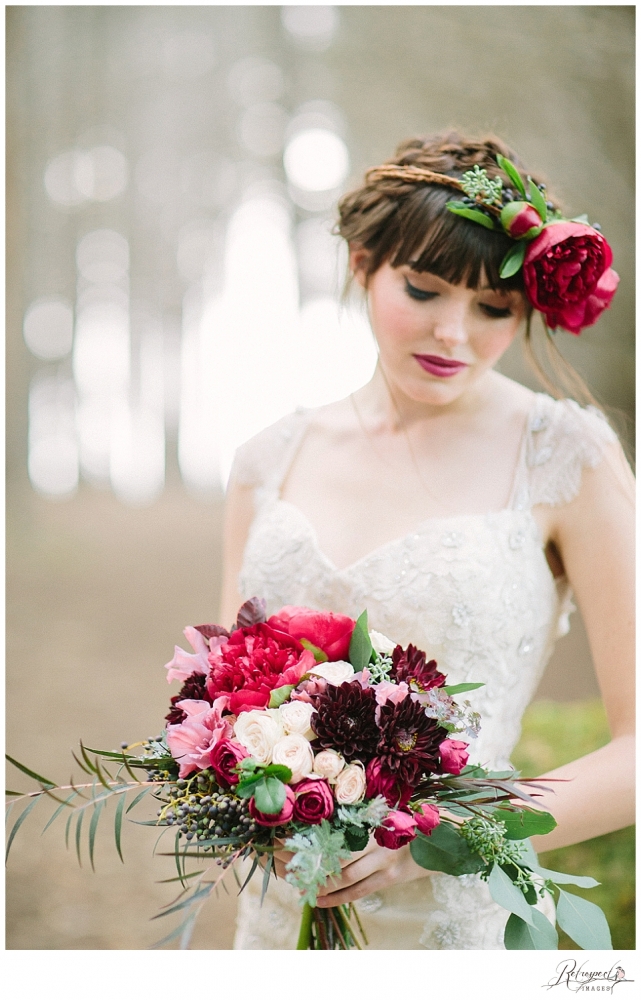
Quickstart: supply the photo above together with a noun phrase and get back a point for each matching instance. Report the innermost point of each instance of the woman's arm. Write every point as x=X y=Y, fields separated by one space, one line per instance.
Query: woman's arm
x=595 y=537
x=239 y=514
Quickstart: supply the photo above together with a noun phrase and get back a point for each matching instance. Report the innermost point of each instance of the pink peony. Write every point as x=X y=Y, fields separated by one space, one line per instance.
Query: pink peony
x=252 y=663
x=329 y=631
x=520 y=218
x=398 y=829
x=314 y=801
x=191 y=742
x=427 y=819
x=268 y=819
x=453 y=756
x=381 y=781
x=224 y=758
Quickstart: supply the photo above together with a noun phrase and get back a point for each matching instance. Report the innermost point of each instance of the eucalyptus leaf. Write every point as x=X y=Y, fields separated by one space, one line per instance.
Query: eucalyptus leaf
x=513 y=260
x=560 y=878
x=360 y=646
x=525 y=823
x=537 y=199
x=445 y=851
x=59 y=810
x=460 y=688
x=269 y=796
x=583 y=921
x=472 y=214
x=319 y=655
x=18 y=823
x=506 y=894
x=93 y=826
x=508 y=167
x=118 y=824
x=539 y=936
x=31 y=774
x=140 y=796
x=280 y=695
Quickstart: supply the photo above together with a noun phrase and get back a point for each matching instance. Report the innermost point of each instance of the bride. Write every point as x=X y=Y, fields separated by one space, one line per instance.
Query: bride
x=454 y=504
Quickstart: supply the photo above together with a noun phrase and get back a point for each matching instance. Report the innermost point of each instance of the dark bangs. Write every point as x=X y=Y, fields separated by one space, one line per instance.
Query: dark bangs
x=428 y=237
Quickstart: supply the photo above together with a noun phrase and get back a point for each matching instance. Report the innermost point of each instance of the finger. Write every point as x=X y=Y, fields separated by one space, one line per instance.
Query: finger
x=373 y=883
x=352 y=873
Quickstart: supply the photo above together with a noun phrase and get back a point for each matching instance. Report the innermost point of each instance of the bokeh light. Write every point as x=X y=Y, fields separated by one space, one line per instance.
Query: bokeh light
x=52 y=448
x=103 y=256
x=48 y=327
x=255 y=79
x=313 y=27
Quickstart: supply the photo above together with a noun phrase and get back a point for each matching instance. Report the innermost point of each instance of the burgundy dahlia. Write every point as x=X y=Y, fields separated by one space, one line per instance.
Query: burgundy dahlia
x=410 y=665
x=345 y=721
x=194 y=688
x=409 y=742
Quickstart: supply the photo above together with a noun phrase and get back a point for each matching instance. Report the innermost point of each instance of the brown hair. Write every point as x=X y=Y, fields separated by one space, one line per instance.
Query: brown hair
x=406 y=221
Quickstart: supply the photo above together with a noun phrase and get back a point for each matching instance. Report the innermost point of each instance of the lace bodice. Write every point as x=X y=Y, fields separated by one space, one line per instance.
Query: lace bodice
x=474 y=591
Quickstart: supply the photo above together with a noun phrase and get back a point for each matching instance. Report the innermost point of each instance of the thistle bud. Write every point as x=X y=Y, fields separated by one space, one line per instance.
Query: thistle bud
x=520 y=219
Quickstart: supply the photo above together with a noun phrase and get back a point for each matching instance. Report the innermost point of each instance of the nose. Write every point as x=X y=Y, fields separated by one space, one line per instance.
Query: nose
x=450 y=326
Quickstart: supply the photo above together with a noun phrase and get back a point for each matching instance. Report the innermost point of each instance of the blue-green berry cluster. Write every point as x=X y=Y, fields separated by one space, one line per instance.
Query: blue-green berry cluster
x=487 y=838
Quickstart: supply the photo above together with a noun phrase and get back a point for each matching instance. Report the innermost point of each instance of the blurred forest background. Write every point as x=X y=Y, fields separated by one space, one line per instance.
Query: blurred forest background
x=172 y=286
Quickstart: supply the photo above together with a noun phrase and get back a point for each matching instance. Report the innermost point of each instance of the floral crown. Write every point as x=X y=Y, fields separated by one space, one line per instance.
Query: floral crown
x=566 y=262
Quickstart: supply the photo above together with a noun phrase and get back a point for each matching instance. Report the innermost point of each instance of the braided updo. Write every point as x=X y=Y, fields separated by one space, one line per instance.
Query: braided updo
x=404 y=220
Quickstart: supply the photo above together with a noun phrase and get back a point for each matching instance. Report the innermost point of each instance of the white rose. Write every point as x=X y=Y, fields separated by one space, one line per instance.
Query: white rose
x=328 y=764
x=294 y=752
x=381 y=643
x=295 y=716
x=335 y=672
x=258 y=731
x=350 y=784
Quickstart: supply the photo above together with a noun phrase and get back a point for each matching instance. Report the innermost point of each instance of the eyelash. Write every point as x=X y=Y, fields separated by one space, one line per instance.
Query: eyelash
x=493 y=312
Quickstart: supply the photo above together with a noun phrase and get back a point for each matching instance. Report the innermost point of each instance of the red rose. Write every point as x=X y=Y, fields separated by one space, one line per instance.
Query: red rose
x=427 y=819
x=252 y=663
x=519 y=218
x=398 y=829
x=314 y=801
x=330 y=632
x=381 y=781
x=224 y=758
x=567 y=275
x=453 y=756
x=269 y=819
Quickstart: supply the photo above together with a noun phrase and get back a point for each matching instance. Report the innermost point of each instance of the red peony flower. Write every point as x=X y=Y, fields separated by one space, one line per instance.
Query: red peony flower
x=254 y=662
x=398 y=829
x=520 y=218
x=382 y=781
x=314 y=801
x=224 y=758
x=269 y=819
x=329 y=631
x=567 y=275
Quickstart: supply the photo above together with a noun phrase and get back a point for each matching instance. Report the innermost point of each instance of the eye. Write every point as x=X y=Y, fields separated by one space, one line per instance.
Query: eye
x=494 y=312
x=418 y=293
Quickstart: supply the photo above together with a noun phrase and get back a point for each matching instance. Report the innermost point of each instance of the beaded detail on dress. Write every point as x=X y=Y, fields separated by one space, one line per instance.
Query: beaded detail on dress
x=474 y=591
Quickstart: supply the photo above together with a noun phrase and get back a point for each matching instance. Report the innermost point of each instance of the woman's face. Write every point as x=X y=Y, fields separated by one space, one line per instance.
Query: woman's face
x=437 y=339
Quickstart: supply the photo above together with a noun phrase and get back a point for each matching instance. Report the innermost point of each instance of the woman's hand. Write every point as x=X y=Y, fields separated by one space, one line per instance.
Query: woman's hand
x=367 y=871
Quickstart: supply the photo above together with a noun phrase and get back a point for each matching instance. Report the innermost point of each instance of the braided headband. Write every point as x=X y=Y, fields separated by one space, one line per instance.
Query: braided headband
x=566 y=262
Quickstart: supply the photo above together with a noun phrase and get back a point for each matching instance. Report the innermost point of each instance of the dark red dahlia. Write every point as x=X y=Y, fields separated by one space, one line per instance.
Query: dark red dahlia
x=410 y=665
x=345 y=721
x=409 y=742
x=194 y=688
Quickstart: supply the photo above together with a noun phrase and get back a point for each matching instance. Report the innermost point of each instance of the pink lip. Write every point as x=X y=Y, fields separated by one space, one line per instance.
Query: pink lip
x=443 y=367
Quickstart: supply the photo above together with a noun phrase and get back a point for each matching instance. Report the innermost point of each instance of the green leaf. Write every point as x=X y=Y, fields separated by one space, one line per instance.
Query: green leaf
x=537 y=199
x=356 y=838
x=93 y=826
x=581 y=218
x=118 y=824
x=583 y=921
x=58 y=811
x=140 y=796
x=245 y=788
x=268 y=867
x=458 y=208
x=18 y=823
x=319 y=655
x=280 y=695
x=506 y=894
x=67 y=828
x=539 y=936
x=32 y=774
x=508 y=167
x=460 y=688
x=78 y=829
x=445 y=851
x=525 y=823
x=560 y=878
x=360 y=646
x=513 y=260
x=248 y=764
x=269 y=796
x=280 y=771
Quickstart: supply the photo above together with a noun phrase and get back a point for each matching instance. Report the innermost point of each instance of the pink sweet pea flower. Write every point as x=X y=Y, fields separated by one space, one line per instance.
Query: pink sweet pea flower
x=386 y=691
x=192 y=741
x=185 y=664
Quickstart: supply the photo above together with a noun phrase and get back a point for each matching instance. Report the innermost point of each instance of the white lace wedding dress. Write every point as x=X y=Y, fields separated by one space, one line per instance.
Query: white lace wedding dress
x=475 y=592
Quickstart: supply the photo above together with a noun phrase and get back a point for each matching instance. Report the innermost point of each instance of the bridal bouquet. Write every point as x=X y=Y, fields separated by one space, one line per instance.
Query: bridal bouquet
x=309 y=733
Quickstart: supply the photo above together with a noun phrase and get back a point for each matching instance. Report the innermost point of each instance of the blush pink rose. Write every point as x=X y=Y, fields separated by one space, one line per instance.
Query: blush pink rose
x=192 y=741
x=284 y=816
x=314 y=801
x=397 y=830
x=427 y=819
x=224 y=758
x=454 y=756
x=329 y=631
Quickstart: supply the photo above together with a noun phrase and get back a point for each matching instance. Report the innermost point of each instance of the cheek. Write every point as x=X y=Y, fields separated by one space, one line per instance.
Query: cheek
x=493 y=345
x=393 y=319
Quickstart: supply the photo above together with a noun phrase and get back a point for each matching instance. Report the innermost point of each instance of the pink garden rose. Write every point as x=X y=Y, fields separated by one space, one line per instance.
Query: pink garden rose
x=381 y=781
x=329 y=631
x=225 y=756
x=192 y=741
x=398 y=829
x=314 y=801
x=567 y=275
x=454 y=756
x=252 y=663
x=284 y=816
x=427 y=819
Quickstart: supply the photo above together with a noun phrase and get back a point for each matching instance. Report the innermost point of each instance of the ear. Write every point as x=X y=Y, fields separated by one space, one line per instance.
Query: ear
x=358 y=260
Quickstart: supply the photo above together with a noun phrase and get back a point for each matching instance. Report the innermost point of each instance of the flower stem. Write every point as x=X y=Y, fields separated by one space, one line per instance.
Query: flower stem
x=305 y=933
